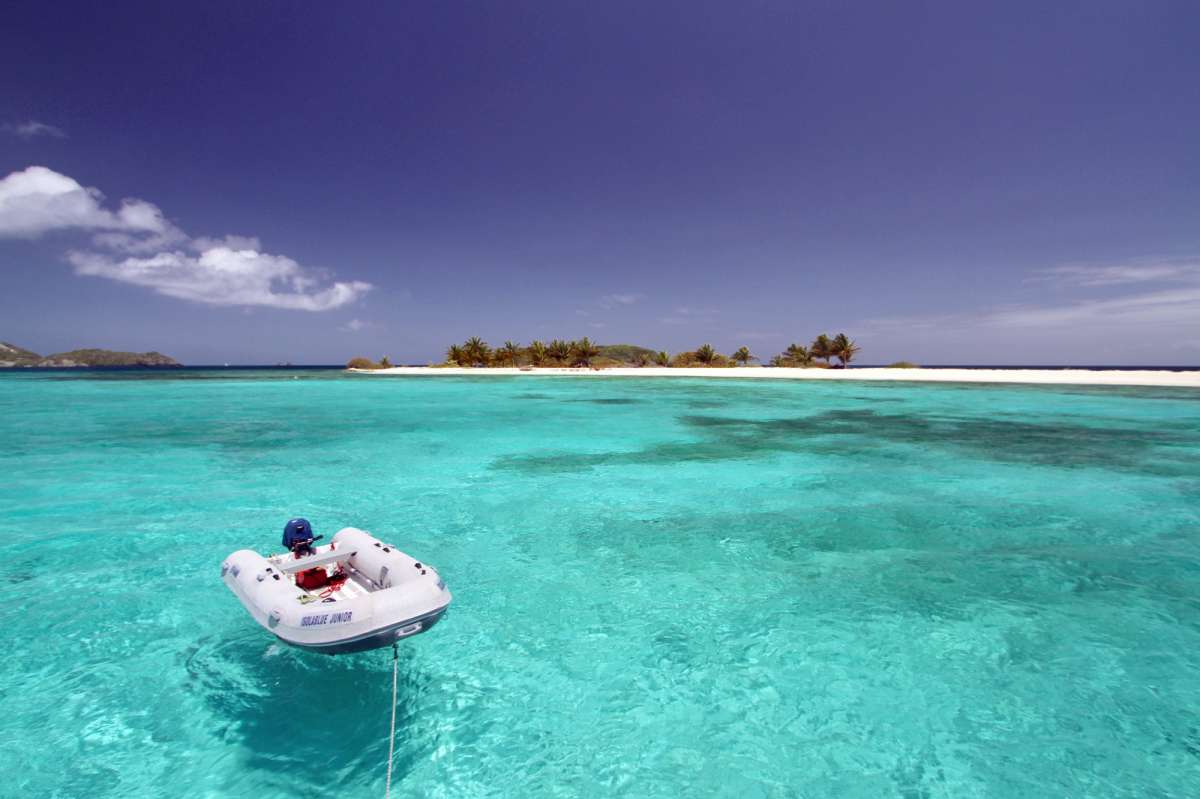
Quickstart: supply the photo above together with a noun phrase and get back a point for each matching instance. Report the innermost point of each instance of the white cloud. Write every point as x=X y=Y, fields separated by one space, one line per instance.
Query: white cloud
x=138 y=245
x=1158 y=307
x=38 y=200
x=1147 y=270
x=1176 y=299
x=355 y=325
x=1169 y=297
x=202 y=243
x=687 y=315
x=32 y=129
x=157 y=242
x=223 y=276
x=609 y=301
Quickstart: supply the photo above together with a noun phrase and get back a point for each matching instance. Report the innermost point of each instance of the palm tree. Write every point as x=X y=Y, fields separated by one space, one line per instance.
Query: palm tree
x=706 y=354
x=559 y=350
x=385 y=363
x=797 y=355
x=743 y=356
x=508 y=353
x=536 y=352
x=662 y=358
x=844 y=349
x=583 y=351
x=456 y=355
x=822 y=348
x=477 y=351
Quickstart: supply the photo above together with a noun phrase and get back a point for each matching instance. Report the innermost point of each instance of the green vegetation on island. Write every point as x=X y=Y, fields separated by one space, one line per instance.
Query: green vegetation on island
x=14 y=356
x=823 y=348
x=584 y=353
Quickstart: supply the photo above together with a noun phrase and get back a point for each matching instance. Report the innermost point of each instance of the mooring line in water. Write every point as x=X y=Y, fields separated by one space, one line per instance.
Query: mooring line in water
x=392 y=737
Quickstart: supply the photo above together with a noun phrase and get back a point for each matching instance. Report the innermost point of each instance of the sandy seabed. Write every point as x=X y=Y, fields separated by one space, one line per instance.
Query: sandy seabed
x=1083 y=377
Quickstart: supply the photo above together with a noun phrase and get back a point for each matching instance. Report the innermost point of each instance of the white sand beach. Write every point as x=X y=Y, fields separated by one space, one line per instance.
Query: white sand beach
x=1081 y=377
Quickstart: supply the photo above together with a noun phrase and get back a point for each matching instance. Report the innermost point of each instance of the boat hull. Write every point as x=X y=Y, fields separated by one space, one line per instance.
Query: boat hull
x=375 y=639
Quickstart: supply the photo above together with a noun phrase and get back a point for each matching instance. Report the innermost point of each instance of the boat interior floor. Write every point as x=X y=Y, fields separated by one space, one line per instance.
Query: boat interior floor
x=354 y=586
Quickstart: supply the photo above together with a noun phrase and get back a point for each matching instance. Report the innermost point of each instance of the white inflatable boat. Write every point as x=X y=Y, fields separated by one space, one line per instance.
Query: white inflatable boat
x=356 y=593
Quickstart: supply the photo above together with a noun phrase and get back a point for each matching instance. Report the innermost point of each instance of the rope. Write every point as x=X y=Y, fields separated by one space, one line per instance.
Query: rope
x=392 y=738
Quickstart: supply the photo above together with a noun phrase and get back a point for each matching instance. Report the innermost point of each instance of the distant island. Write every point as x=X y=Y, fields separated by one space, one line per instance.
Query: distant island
x=475 y=352
x=13 y=356
x=826 y=358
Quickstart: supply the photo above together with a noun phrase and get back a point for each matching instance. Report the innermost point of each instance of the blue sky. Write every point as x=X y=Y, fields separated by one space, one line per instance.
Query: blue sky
x=946 y=182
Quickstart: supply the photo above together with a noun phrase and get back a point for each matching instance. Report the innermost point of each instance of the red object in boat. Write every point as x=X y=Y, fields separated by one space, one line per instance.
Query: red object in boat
x=312 y=578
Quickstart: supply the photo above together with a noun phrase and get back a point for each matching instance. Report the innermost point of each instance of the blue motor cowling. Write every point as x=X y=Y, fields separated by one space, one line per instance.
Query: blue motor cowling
x=297 y=531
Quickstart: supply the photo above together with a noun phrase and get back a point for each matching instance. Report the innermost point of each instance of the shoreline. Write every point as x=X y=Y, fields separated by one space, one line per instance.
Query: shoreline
x=1072 y=377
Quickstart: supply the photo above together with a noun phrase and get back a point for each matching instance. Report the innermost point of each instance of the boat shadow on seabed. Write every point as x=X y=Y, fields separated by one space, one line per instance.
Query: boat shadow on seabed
x=314 y=718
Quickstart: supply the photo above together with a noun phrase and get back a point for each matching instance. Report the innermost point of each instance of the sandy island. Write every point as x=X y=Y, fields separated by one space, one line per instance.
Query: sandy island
x=1081 y=377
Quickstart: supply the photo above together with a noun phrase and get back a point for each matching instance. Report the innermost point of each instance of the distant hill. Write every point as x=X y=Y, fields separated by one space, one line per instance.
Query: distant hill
x=625 y=353
x=12 y=355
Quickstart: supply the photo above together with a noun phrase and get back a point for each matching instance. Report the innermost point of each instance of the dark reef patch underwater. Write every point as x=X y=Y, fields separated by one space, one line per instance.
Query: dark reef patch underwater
x=1171 y=449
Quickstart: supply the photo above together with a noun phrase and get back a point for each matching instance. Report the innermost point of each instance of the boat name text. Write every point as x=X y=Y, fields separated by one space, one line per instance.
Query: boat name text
x=326 y=618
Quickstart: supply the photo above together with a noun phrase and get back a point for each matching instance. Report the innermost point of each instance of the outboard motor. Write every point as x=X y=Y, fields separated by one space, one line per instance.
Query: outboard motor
x=298 y=537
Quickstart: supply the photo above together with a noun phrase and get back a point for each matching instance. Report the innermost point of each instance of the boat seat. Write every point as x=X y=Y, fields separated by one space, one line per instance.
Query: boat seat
x=297 y=565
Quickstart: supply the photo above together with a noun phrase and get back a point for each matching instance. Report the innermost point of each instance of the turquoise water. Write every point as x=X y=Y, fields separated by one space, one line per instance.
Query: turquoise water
x=663 y=588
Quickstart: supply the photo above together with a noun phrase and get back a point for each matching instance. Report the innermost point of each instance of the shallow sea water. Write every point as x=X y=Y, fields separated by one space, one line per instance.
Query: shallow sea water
x=663 y=588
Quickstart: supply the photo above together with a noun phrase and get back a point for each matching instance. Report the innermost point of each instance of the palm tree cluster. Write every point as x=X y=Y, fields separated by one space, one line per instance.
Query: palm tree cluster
x=476 y=352
x=823 y=348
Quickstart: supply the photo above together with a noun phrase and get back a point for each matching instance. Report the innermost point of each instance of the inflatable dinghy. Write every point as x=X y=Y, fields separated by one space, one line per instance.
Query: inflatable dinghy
x=357 y=593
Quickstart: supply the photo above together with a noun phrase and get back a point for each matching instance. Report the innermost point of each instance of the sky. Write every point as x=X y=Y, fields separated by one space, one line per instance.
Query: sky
x=945 y=182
